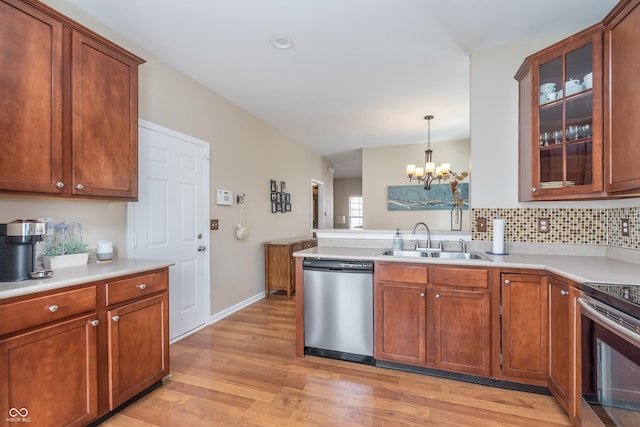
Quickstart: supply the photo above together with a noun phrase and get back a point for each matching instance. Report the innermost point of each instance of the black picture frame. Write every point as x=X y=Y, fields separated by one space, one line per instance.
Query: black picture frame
x=287 y=207
x=274 y=186
x=273 y=197
x=287 y=197
x=273 y=207
x=283 y=186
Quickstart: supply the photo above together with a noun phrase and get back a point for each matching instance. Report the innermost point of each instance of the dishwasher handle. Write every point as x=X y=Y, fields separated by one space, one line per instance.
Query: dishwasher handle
x=321 y=264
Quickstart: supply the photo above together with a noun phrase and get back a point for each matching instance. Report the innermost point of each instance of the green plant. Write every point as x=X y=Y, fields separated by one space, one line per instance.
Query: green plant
x=64 y=238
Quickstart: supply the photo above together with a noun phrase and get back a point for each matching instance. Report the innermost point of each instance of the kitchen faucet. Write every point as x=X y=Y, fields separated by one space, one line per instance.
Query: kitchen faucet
x=428 y=235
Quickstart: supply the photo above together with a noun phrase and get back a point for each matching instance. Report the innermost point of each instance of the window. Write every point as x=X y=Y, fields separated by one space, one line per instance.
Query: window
x=356 y=221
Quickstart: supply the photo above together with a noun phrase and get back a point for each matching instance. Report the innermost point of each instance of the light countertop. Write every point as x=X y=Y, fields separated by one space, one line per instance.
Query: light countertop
x=574 y=267
x=78 y=275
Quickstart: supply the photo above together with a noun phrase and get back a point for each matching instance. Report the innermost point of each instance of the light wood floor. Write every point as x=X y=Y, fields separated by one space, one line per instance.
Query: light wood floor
x=242 y=371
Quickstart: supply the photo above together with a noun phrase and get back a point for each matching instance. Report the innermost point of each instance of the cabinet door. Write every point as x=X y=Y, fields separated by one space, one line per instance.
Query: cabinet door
x=622 y=100
x=462 y=330
x=400 y=321
x=562 y=352
x=30 y=99
x=40 y=367
x=279 y=268
x=104 y=121
x=138 y=347
x=524 y=331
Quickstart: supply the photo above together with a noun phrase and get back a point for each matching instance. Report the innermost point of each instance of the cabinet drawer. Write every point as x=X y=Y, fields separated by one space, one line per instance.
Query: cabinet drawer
x=402 y=273
x=297 y=247
x=461 y=277
x=134 y=287
x=310 y=244
x=40 y=310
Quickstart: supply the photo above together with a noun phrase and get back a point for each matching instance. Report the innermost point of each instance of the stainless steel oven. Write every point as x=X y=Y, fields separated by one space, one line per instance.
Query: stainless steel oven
x=610 y=334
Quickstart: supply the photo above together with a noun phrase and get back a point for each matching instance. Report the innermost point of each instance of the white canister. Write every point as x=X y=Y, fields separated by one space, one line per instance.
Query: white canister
x=105 y=250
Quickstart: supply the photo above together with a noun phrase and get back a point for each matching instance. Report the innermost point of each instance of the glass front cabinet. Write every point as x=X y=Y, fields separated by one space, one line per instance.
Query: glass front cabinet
x=560 y=120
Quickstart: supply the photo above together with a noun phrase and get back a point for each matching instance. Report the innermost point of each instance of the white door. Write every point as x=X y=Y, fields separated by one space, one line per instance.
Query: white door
x=169 y=221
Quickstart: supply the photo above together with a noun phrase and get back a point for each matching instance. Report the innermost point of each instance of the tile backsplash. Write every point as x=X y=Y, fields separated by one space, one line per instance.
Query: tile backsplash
x=566 y=225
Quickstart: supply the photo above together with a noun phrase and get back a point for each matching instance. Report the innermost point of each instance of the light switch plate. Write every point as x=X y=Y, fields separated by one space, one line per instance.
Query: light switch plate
x=481 y=225
x=214 y=224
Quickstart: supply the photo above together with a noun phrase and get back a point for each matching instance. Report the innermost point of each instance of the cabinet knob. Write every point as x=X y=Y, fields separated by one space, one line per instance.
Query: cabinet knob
x=115 y=318
x=506 y=282
x=94 y=322
x=422 y=295
x=437 y=295
x=53 y=308
x=60 y=184
x=563 y=292
x=141 y=286
x=79 y=187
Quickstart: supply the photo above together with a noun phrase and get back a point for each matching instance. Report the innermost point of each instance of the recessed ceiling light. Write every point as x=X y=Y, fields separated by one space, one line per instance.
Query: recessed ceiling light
x=282 y=42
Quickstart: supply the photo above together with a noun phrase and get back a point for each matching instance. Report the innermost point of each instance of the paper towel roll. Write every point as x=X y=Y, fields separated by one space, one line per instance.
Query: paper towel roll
x=498 y=236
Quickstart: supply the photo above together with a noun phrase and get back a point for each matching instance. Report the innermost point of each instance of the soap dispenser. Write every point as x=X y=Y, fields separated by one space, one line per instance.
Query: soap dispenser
x=397 y=241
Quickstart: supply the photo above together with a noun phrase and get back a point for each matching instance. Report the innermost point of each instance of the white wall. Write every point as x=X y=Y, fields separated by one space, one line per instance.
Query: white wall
x=385 y=166
x=245 y=154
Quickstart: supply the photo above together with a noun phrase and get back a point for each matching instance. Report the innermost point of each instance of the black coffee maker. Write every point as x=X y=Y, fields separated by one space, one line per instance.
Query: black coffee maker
x=18 y=248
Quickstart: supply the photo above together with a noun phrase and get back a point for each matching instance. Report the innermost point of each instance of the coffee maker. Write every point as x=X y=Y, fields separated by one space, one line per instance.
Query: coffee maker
x=18 y=248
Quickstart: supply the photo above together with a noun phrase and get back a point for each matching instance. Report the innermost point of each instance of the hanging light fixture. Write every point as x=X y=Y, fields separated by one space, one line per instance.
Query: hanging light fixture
x=430 y=171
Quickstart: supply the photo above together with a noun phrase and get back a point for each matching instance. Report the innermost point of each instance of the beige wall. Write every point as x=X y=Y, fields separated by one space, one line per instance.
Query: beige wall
x=342 y=190
x=245 y=154
x=385 y=166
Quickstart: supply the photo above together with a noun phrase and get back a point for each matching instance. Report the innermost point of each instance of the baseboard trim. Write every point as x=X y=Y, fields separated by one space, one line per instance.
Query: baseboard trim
x=228 y=311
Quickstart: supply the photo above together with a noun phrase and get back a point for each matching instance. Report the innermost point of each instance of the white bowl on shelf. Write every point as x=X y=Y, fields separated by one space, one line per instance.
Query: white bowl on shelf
x=588 y=81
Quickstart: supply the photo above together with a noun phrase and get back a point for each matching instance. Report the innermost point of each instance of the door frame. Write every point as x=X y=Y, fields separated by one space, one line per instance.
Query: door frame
x=130 y=239
x=321 y=219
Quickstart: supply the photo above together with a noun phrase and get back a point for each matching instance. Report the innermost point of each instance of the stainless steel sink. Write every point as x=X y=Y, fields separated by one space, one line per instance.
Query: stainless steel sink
x=435 y=254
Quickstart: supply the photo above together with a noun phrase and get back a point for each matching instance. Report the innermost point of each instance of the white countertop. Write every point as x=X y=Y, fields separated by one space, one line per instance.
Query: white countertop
x=83 y=274
x=574 y=267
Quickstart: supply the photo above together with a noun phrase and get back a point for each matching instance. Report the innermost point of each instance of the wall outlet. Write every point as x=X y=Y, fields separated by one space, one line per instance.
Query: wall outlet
x=214 y=224
x=543 y=225
x=481 y=225
x=626 y=224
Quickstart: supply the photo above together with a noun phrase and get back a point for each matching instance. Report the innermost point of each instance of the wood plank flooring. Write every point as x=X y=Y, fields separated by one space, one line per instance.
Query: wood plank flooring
x=242 y=371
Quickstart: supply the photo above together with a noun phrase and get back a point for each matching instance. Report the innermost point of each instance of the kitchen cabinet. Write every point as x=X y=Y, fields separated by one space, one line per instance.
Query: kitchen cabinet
x=460 y=312
x=73 y=355
x=279 y=264
x=138 y=334
x=563 y=333
x=524 y=332
x=561 y=120
x=436 y=317
x=622 y=98
x=70 y=98
x=400 y=313
x=48 y=358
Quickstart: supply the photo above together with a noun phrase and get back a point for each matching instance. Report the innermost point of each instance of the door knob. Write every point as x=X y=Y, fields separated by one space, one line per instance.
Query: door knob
x=202 y=248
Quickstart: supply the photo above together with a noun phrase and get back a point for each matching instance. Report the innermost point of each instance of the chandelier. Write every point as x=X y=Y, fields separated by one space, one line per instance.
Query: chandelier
x=430 y=171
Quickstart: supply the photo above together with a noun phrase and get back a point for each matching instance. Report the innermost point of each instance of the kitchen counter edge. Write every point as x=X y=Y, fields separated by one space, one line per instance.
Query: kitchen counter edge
x=88 y=273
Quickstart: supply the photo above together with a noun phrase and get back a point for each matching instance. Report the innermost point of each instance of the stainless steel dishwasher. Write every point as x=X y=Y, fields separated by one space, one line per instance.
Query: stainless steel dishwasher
x=338 y=309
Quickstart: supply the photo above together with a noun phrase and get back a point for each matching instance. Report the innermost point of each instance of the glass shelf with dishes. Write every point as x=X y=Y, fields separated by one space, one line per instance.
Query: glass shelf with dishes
x=565 y=120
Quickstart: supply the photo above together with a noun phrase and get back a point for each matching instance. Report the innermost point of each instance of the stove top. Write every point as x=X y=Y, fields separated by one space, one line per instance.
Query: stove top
x=625 y=298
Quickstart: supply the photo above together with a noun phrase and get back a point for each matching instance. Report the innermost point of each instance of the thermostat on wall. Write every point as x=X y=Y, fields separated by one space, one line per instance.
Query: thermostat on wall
x=225 y=197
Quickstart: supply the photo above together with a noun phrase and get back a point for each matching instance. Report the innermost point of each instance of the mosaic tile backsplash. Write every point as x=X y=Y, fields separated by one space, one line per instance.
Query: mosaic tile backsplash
x=566 y=225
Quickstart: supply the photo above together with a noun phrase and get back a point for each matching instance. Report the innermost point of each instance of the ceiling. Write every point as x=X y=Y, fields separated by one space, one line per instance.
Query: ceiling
x=360 y=73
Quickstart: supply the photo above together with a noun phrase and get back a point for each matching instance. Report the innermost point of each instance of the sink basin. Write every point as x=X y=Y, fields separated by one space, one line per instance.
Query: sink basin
x=459 y=255
x=435 y=254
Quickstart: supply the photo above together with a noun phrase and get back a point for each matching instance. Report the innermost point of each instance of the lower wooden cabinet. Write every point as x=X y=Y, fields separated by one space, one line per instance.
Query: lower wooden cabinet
x=563 y=329
x=524 y=332
x=279 y=265
x=138 y=347
x=49 y=376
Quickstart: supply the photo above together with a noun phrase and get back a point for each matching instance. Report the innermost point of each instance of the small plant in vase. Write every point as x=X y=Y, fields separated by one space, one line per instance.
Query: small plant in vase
x=456 y=197
x=64 y=245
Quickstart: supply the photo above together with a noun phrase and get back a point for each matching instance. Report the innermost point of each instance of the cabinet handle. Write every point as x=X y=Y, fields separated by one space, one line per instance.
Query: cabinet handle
x=422 y=295
x=438 y=296
x=79 y=187
x=141 y=286
x=534 y=189
x=53 y=308
x=563 y=292
x=60 y=184
x=115 y=318
x=95 y=322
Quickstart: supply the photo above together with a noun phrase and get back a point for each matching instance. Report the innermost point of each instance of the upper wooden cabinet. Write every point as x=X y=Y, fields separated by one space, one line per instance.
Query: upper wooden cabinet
x=70 y=103
x=622 y=98
x=561 y=120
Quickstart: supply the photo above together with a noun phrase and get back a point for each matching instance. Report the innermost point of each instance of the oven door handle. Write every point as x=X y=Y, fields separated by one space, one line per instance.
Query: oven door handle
x=601 y=319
